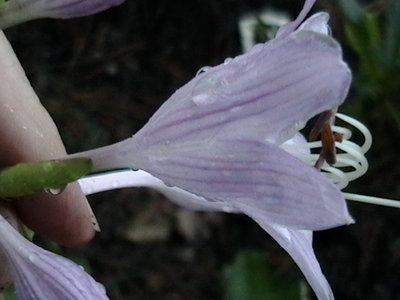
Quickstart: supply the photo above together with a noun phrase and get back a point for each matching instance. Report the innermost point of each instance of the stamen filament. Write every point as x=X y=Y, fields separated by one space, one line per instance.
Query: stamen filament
x=361 y=127
x=113 y=180
x=372 y=200
x=346 y=132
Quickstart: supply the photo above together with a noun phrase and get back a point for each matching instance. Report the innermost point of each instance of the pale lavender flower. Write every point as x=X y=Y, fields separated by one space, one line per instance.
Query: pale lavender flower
x=298 y=243
x=38 y=274
x=14 y=12
x=219 y=135
x=351 y=164
x=218 y=142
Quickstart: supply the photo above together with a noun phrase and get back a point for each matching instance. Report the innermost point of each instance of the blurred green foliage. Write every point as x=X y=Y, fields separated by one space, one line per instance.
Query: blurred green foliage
x=8 y=295
x=372 y=47
x=374 y=34
x=250 y=277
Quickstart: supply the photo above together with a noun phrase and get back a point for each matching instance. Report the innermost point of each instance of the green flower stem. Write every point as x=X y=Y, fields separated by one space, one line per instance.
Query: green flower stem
x=26 y=179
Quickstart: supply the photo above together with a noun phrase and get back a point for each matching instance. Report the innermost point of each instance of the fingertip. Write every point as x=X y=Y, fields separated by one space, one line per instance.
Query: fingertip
x=65 y=218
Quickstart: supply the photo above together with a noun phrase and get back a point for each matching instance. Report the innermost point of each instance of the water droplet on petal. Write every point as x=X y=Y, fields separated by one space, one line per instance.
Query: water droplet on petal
x=298 y=125
x=224 y=82
x=55 y=190
x=202 y=70
x=115 y=184
x=33 y=257
x=256 y=48
x=227 y=60
x=236 y=109
x=203 y=99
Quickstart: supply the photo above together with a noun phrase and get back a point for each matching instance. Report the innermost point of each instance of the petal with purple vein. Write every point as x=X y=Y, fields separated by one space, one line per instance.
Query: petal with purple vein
x=246 y=173
x=276 y=88
x=298 y=243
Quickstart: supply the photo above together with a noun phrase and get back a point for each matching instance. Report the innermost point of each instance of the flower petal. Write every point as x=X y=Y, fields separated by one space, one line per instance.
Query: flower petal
x=254 y=174
x=317 y=23
x=41 y=275
x=5 y=273
x=294 y=145
x=209 y=137
x=291 y=26
x=275 y=88
x=298 y=243
x=14 y=12
x=75 y=8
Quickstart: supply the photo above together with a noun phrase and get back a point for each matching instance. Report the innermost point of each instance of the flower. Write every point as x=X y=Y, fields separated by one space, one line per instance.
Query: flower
x=222 y=141
x=219 y=136
x=14 y=12
x=351 y=164
x=38 y=274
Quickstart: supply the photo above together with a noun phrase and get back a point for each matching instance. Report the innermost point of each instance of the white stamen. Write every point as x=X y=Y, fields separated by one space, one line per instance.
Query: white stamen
x=361 y=127
x=350 y=164
x=372 y=200
x=344 y=131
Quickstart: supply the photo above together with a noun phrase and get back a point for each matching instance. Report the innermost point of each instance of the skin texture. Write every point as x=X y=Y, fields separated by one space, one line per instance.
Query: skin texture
x=27 y=133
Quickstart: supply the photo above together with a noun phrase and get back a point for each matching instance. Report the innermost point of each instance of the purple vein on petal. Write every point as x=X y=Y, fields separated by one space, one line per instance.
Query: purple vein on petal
x=227 y=109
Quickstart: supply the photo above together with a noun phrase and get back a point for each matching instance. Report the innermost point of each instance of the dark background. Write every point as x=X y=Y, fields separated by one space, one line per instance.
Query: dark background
x=102 y=77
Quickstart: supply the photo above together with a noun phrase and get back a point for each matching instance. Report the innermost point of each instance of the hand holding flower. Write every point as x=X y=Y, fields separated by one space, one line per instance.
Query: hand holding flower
x=27 y=133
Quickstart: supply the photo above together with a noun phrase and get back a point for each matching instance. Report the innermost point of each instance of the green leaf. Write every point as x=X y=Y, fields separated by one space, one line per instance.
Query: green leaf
x=251 y=278
x=27 y=179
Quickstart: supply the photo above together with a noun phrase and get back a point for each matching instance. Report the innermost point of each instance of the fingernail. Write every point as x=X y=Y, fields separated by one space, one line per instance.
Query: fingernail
x=95 y=224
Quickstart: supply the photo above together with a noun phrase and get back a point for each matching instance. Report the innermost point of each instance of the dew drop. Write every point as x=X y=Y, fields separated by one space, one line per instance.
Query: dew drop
x=115 y=184
x=236 y=109
x=55 y=190
x=203 y=99
x=169 y=184
x=33 y=257
x=227 y=60
x=202 y=70
x=224 y=82
x=298 y=125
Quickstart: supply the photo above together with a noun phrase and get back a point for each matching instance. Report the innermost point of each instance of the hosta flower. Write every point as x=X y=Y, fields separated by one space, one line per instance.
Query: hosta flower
x=17 y=11
x=351 y=164
x=224 y=141
x=219 y=136
x=38 y=274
